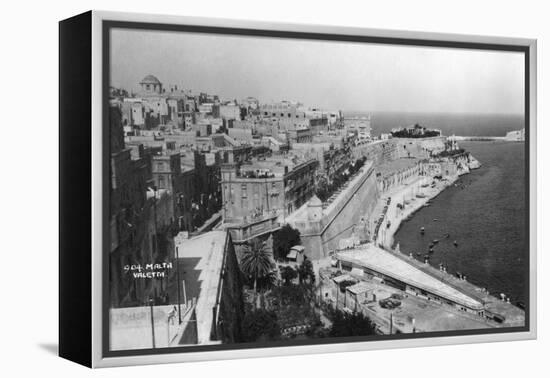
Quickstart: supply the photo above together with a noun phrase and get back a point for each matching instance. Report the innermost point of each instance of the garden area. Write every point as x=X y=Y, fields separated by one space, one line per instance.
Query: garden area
x=281 y=300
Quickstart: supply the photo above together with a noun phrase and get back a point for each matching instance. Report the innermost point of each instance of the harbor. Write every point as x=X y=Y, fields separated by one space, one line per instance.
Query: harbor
x=426 y=295
x=490 y=250
x=305 y=219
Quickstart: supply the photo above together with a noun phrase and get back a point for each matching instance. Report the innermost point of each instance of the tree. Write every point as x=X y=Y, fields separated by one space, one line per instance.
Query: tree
x=323 y=189
x=260 y=325
x=256 y=261
x=355 y=324
x=306 y=271
x=286 y=238
x=288 y=274
x=268 y=281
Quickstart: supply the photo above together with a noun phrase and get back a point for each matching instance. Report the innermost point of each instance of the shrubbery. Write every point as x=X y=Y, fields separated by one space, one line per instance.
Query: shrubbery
x=356 y=324
x=260 y=325
x=286 y=238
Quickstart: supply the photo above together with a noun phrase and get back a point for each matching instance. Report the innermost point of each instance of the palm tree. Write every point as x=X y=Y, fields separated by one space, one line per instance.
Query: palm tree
x=256 y=262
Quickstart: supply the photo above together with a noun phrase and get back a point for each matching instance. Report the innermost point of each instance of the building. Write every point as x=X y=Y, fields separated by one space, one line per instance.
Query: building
x=516 y=135
x=333 y=118
x=206 y=198
x=318 y=125
x=176 y=112
x=166 y=168
x=361 y=126
x=301 y=134
x=230 y=111
x=282 y=109
x=395 y=271
x=141 y=220
x=210 y=304
x=256 y=194
x=150 y=85
x=250 y=103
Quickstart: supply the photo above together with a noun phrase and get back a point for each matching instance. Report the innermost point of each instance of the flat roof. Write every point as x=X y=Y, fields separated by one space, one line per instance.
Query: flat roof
x=202 y=258
x=342 y=278
x=359 y=288
x=385 y=262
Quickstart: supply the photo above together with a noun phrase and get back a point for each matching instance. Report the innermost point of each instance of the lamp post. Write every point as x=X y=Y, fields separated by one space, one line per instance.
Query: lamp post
x=337 y=290
x=151 y=302
x=178 y=279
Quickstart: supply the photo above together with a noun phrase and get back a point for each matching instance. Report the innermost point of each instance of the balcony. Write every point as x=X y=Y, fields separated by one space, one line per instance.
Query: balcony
x=254 y=227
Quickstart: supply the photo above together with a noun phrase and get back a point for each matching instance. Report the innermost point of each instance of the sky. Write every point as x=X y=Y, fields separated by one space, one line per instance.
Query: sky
x=326 y=74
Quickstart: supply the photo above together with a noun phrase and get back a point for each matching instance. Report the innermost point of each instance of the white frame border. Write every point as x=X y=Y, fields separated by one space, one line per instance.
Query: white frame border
x=97 y=117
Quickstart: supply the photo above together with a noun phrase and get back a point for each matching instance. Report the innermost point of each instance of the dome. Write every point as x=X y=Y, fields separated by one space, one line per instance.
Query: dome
x=150 y=79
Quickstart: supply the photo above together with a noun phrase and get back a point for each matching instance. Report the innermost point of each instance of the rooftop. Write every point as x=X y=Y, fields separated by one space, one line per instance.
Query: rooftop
x=150 y=79
x=359 y=288
x=201 y=263
x=386 y=263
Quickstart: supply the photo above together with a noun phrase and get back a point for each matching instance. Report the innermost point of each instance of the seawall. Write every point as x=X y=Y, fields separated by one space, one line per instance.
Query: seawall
x=340 y=217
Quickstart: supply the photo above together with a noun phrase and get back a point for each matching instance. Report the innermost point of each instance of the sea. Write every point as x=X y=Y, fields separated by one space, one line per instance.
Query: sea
x=485 y=213
x=466 y=124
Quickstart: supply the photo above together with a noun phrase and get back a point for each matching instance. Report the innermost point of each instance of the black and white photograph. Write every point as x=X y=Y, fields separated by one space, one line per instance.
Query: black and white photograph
x=272 y=190
x=275 y=189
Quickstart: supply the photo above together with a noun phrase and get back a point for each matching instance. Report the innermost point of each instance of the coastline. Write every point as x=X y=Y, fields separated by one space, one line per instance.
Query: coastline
x=480 y=218
x=413 y=196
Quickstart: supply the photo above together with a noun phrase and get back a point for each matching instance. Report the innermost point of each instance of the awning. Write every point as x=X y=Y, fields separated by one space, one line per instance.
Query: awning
x=292 y=254
x=343 y=277
x=359 y=288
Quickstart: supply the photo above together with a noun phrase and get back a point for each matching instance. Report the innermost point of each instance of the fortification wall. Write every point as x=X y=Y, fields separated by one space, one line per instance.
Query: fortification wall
x=419 y=147
x=340 y=218
x=378 y=152
x=361 y=204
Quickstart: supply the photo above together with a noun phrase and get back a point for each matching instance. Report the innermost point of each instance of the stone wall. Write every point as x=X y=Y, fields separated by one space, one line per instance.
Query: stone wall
x=230 y=308
x=339 y=219
x=419 y=147
x=378 y=152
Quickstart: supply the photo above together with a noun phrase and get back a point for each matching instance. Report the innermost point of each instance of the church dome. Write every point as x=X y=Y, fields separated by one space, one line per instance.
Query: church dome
x=150 y=79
